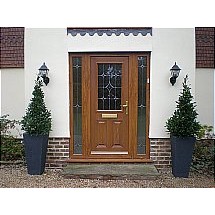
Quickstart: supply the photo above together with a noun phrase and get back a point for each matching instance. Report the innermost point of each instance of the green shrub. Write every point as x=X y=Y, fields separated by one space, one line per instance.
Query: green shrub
x=11 y=148
x=206 y=132
x=203 y=157
x=183 y=122
x=37 y=120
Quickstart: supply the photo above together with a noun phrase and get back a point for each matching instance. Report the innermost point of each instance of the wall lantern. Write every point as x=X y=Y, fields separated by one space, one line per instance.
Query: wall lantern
x=43 y=73
x=175 y=70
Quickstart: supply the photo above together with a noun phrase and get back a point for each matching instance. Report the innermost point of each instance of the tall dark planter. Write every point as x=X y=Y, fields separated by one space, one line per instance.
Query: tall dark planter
x=35 y=153
x=182 y=151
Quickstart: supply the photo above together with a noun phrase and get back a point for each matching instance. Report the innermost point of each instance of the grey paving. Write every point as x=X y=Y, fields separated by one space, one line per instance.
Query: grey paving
x=111 y=171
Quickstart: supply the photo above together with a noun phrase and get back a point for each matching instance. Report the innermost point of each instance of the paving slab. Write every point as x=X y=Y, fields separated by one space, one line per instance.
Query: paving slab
x=111 y=171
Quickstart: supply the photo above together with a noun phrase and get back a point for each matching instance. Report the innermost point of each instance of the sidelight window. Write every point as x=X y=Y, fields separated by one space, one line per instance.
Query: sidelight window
x=77 y=104
x=141 y=122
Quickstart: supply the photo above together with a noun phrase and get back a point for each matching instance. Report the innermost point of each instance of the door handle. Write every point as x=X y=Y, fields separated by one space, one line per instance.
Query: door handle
x=126 y=107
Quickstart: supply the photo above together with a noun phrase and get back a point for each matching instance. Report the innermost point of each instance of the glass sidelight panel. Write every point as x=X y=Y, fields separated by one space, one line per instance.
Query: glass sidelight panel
x=77 y=104
x=141 y=125
x=109 y=86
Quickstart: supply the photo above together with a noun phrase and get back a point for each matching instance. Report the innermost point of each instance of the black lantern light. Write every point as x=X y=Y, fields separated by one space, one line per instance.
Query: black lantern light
x=43 y=73
x=175 y=70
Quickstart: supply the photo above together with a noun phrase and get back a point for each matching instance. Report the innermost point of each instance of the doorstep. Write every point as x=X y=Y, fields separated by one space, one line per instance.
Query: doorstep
x=140 y=171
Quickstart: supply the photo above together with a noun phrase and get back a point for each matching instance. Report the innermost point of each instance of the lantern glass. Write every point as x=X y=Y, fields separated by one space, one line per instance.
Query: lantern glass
x=175 y=73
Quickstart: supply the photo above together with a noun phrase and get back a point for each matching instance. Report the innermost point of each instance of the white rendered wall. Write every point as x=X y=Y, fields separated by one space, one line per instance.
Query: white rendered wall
x=169 y=45
x=12 y=95
x=205 y=95
x=166 y=45
x=49 y=45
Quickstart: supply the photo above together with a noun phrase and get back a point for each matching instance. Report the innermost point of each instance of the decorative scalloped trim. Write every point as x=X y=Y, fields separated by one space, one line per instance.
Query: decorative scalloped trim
x=109 y=31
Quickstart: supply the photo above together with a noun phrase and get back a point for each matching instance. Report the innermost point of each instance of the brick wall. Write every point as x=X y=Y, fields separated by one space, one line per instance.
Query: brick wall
x=160 y=153
x=58 y=152
x=12 y=47
x=205 y=47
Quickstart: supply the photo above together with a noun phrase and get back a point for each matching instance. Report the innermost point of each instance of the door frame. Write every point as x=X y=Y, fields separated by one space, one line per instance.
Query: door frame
x=133 y=93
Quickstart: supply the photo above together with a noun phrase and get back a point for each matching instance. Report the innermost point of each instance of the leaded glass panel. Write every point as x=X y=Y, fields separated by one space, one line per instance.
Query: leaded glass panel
x=77 y=104
x=109 y=86
x=141 y=124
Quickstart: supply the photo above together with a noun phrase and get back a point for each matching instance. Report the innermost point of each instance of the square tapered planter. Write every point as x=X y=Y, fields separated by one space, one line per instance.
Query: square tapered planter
x=182 y=151
x=35 y=153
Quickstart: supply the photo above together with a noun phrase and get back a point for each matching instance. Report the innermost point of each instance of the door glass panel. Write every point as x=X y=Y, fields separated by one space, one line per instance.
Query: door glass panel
x=141 y=146
x=77 y=104
x=141 y=122
x=109 y=86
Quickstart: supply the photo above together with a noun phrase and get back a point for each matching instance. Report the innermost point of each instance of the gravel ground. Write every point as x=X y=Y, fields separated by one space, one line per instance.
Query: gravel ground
x=15 y=176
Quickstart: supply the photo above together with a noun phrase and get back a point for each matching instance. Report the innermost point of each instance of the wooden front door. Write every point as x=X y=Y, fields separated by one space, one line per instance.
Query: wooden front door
x=109 y=107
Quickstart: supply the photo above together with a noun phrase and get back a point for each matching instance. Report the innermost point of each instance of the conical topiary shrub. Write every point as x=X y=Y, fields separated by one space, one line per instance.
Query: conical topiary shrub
x=37 y=125
x=37 y=120
x=183 y=122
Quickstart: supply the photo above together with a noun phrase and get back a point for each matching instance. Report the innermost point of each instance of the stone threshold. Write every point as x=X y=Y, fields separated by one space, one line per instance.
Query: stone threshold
x=111 y=171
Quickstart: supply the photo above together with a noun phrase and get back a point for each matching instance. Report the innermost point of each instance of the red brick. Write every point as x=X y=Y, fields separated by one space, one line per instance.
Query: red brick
x=205 y=47
x=164 y=162
x=58 y=154
x=163 y=154
x=58 y=146
x=54 y=142
x=63 y=150
x=53 y=150
x=12 y=47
